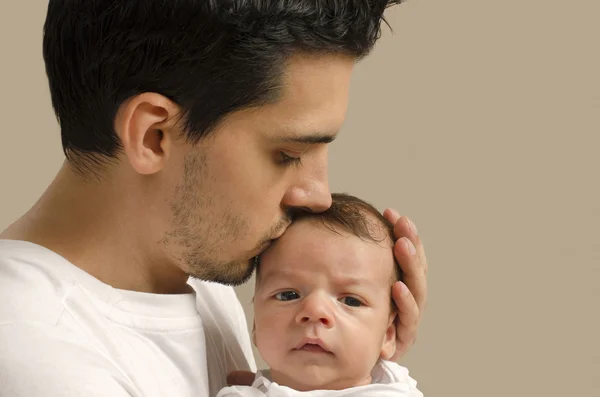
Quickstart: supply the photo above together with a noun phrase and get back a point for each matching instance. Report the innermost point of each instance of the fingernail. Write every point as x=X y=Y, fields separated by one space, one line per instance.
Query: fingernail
x=395 y=213
x=412 y=227
x=404 y=289
x=410 y=246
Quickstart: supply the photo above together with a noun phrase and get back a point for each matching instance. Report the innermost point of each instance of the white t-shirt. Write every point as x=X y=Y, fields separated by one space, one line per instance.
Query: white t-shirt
x=64 y=333
x=389 y=380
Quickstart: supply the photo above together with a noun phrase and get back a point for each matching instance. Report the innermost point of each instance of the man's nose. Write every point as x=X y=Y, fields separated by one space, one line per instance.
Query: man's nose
x=311 y=191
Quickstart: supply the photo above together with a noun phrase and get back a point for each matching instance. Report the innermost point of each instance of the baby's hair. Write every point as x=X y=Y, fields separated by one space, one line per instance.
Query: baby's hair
x=358 y=217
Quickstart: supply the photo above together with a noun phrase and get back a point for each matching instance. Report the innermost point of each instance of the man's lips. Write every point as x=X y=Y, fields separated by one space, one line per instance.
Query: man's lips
x=281 y=231
x=312 y=345
x=267 y=243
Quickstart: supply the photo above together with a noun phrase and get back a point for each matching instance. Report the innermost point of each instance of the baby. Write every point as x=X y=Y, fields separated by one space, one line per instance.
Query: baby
x=324 y=317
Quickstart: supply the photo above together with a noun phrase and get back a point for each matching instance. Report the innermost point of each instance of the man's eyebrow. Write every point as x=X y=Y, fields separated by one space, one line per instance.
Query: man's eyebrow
x=309 y=139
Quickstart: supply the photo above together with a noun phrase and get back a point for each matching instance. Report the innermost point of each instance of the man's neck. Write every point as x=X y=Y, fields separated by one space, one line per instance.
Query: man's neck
x=82 y=222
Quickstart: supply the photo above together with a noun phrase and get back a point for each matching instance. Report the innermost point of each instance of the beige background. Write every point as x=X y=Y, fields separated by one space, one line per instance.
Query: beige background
x=480 y=120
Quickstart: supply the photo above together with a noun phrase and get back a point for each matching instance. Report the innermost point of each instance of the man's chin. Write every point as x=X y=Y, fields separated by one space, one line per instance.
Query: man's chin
x=245 y=274
x=231 y=274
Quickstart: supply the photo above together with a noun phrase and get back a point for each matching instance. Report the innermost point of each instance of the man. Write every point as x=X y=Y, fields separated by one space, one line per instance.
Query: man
x=193 y=131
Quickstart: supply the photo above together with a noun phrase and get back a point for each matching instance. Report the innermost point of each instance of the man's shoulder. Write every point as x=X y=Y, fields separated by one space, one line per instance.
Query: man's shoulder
x=31 y=290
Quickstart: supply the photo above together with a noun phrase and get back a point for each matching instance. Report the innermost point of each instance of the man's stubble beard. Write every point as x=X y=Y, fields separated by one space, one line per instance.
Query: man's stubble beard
x=198 y=233
x=233 y=273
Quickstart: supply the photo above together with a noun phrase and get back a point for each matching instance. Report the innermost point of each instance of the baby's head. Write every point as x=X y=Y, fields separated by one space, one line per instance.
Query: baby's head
x=323 y=309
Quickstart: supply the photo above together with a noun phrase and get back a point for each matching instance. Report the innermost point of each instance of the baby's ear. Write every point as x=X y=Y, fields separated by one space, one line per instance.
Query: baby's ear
x=388 y=347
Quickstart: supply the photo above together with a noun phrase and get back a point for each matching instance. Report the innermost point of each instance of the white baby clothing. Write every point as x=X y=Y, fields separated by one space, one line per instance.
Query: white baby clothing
x=388 y=380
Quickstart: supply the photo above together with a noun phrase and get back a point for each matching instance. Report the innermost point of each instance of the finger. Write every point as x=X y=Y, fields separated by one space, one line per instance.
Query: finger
x=391 y=215
x=413 y=271
x=408 y=319
x=240 y=378
x=405 y=227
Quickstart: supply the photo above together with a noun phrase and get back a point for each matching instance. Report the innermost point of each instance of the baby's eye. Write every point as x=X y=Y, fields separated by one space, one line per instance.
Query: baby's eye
x=350 y=301
x=287 y=295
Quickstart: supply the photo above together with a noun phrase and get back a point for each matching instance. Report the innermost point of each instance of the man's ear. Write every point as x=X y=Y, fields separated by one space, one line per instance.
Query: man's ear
x=145 y=125
x=388 y=347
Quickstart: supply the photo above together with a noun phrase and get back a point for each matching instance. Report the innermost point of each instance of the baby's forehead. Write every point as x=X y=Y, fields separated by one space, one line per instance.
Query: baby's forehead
x=310 y=241
x=371 y=230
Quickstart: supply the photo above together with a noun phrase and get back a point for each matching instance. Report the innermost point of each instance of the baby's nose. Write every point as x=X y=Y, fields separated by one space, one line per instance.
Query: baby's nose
x=316 y=309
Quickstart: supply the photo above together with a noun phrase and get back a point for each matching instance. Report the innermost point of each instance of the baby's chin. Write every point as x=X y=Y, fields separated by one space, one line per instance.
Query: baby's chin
x=316 y=377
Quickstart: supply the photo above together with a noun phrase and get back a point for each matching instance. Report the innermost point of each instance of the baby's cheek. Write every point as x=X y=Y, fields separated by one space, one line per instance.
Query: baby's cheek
x=268 y=335
x=363 y=340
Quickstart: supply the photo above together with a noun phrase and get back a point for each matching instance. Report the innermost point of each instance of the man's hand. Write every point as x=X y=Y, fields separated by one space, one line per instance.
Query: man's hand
x=240 y=378
x=411 y=296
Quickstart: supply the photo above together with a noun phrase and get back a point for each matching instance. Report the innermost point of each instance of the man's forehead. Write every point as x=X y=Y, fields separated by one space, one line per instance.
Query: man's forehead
x=313 y=94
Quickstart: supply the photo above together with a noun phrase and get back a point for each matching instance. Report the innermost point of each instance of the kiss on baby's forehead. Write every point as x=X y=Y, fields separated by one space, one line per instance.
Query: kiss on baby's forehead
x=348 y=216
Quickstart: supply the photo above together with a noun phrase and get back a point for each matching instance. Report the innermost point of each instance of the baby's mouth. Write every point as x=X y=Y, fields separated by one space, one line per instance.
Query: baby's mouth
x=313 y=346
